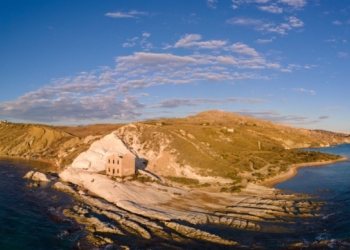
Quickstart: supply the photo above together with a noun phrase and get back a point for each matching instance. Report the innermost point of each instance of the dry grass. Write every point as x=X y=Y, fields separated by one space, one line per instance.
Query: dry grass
x=202 y=141
x=95 y=129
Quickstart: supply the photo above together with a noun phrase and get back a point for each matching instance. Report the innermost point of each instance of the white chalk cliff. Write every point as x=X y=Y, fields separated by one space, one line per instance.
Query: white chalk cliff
x=94 y=159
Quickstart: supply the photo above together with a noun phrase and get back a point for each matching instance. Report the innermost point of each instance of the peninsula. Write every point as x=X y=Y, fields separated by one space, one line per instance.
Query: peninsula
x=172 y=175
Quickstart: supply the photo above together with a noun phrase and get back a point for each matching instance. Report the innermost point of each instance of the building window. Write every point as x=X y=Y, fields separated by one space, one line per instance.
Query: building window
x=118 y=162
x=113 y=161
x=109 y=170
x=113 y=171
x=117 y=171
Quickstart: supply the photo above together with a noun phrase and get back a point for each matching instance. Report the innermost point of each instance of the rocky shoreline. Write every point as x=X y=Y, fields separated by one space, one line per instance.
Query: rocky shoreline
x=110 y=210
x=180 y=219
x=152 y=209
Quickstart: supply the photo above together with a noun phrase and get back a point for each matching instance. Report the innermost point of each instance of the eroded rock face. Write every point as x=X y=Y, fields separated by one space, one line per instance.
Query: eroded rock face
x=94 y=158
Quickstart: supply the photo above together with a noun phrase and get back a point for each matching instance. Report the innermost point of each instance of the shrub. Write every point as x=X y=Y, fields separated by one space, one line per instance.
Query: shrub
x=183 y=180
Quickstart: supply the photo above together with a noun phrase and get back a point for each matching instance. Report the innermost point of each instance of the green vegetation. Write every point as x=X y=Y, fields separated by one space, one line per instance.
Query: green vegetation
x=183 y=180
x=232 y=189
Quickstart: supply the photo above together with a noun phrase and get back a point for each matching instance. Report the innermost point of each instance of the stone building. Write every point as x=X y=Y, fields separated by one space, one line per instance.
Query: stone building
x=120 y=165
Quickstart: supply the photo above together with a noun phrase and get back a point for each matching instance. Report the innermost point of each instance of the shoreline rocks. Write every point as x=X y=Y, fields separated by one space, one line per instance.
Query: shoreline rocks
x=36 y=176
x=141 y=209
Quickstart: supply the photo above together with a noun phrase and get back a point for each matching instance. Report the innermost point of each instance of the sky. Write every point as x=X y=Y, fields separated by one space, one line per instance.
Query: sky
x=112 y=61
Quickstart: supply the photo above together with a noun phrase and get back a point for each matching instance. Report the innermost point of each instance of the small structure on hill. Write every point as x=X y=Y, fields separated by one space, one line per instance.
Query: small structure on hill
x=121 y=165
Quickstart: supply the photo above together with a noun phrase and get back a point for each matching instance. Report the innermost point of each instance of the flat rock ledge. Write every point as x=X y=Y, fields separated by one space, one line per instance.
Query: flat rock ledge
x=172 y=214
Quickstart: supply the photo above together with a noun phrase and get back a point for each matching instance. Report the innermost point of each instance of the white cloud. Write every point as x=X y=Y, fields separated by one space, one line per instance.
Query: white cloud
x=331 y=40
x=295 y=22
x=149 y=59
x=128 y=45
x=273 y=8
x=227 y=60
x=130 y=14
x=146 y=34
x=312 y=92
x=239 y=2
x=336 y=22
x=115 y=93
x=262 y=41
x=276 y=117
x=342 y=54
x=323 y=117
x=242 y=48
x=182 y=102
x=310 y=66
x=193 y=40
x=245 y=21
x=211 y=3
x=291 y=67
x=265 y=26
x=294 y=3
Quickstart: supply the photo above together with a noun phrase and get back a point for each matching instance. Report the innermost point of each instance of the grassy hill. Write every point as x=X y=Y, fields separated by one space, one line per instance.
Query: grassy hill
x=209 y=144
x=227 y=145
x=56 y=145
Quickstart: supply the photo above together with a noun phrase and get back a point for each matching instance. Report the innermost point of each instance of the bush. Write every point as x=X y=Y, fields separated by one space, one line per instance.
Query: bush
x=183 y=180
x=233 y=189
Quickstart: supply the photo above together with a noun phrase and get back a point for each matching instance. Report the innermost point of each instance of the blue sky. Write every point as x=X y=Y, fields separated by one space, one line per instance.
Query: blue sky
x=88 y=61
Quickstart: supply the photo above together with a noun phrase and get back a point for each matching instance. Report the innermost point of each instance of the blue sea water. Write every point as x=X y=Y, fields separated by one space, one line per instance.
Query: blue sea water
x=27 y=223
x=330 y=184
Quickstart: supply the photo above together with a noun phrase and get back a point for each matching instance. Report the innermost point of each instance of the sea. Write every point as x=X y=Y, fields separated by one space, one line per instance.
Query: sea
x=29 y=217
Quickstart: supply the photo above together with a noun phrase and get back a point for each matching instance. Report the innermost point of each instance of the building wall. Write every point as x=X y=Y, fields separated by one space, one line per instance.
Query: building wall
x=120 y=165
x=113 y=166
x=129 y=163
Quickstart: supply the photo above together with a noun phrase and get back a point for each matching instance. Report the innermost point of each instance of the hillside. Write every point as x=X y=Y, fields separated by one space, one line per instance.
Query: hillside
x=56 y=145
x=200 y=150
x=223 y=144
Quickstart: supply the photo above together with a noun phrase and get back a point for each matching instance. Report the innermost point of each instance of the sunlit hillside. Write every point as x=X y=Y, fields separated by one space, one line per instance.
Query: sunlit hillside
x=188 y=150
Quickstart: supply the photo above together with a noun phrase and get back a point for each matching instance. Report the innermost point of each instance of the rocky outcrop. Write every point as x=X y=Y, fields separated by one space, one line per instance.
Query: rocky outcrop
x=40 y=177
x=144 y=210
x=29 y=175
x=198 y=234
x=37 y=176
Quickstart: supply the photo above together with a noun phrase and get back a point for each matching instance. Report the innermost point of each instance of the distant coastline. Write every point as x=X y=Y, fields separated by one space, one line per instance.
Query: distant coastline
x=293 y=171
